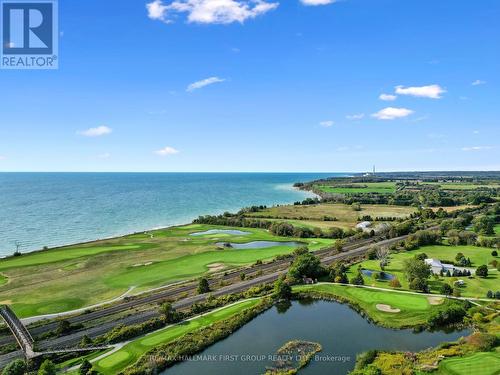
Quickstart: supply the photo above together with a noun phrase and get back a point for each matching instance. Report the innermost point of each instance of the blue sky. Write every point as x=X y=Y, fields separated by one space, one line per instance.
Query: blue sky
x=233 y=85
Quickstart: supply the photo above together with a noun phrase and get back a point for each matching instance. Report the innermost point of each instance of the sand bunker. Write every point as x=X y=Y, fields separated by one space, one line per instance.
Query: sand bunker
x=6 y=302
x=435 y=300
x=215 y=267
x=387 y=308
x=142 y=264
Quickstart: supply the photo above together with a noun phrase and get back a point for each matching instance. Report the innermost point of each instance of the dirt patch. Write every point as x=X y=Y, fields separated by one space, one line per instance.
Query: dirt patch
x=6 y=302
x=435 y=300
x=216 y=267
x=387 y=308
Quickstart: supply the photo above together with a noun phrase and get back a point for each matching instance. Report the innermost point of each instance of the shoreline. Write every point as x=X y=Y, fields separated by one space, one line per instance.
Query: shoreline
x=6 y=257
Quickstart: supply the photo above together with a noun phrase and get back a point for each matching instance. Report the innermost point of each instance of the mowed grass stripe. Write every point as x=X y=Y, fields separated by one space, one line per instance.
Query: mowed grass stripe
x=477 y=364
x=131 y=352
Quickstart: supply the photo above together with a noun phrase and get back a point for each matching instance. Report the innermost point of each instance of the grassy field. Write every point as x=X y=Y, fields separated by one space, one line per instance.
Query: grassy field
x=497 y=229
x=347 y=217
x=474 y=287
x=131 y=352
x=462 y=186
x=477 y=364
x=51 y=281
x=414 y=308
x=3 y=280
x=355 y=188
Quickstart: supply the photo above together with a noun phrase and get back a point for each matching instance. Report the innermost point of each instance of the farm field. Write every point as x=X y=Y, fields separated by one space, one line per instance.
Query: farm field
x=51 y=281
x=359 y=187
x=130 y=353
x=462 y=186
x=314 y=215
x=474 y=287
x=414 y=309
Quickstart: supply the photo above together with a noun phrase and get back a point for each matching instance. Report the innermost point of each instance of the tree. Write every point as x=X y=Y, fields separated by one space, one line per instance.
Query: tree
x=85 y=341
x=416 y=269
x=305 y=265
x=420 y=285
x=446 y=289
x=456 y=292
x=339 y=245
x=300 y=250
x=358 y=279
x=482 y=271
x=16 y=367
x=489 y=294
x=85 y=367
x=494 y=253
x=63 y=328
x=282 y=290
x=47 y=368
x=383 y=256
x=484 y=225
x=169 y=313
x=203 y=286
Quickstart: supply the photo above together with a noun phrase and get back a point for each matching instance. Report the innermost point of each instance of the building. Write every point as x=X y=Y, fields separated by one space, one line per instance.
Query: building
x=437 y=266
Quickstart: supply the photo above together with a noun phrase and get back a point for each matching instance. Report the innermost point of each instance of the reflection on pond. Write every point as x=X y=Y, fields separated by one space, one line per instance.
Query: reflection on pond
x=232 y=232
x=341 y=331
x=380 y=275
x=256 y=244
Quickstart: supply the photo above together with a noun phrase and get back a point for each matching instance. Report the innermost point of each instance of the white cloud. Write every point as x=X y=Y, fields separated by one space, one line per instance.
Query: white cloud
x=204 y=82
x=475 y=132
x=430 y=91
x=478 y=82
x=357 y=116
x=327 y=123
x=96 y=132
x=167 y=151
x=391 y=113
x=210 y=11
x=387 y=97
x=317 y=2
x=476 y=148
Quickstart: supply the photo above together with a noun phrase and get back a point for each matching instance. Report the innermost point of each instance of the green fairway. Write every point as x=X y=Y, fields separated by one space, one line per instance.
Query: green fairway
x=474 y=286
x=51 y=281
x=476 y=364
x=414 y=308
x=131 y=352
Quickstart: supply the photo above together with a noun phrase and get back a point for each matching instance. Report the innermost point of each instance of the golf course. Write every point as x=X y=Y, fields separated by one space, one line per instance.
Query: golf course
x=50 y=281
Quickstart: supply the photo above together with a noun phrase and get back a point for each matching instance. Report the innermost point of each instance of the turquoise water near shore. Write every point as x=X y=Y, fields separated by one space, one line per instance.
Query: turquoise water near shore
x=55 y=209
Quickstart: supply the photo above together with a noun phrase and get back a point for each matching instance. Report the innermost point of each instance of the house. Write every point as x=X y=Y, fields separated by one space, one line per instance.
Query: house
x=437 y=266
x=308 y=281
x=364 y=225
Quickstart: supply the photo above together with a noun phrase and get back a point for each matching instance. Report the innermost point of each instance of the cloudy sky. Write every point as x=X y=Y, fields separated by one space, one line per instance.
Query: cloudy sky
x=234 y=85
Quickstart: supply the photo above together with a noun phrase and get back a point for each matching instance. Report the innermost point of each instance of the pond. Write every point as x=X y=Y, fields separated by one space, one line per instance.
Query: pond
x=385 y=276
x=257 y=244
x=232 y=232
x=341 y=331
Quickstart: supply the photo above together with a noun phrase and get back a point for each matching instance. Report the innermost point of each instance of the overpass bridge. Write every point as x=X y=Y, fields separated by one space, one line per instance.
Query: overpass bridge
x=26 y=342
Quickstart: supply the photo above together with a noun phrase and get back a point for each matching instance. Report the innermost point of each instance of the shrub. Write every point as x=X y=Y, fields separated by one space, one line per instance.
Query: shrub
x=16 y=367
x=394 y=283
x=482 y=271
x=446 y=289
x=358 y=279
x=451 y=314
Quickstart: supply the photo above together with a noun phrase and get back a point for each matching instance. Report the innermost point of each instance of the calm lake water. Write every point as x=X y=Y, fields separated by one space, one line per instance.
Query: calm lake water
x=341 y=331
x=53 y=209
x=259 y=244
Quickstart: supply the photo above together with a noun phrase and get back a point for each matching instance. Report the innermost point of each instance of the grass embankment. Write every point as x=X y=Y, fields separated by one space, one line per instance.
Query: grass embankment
x=131 y=352
x=51 y=281
x=314 y=215
x=414 y=309
x=476 y=287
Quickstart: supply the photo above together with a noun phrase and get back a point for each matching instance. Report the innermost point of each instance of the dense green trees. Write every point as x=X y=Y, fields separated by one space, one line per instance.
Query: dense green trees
x=282 y=290
x=446 y=289
x=482 y=271
x=85 y=367
x=484 y=224
x=169 y=313
x=203 y=286
x=47 y=368
x=16 y=367
x=305 y=265
x=417 y=272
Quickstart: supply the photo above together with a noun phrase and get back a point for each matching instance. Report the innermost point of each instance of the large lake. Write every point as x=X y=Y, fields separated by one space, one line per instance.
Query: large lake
x=341 y=331
x=52 y=209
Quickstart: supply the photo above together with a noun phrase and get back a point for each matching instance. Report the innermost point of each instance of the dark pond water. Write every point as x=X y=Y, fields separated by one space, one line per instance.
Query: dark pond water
x=341 y=331
x=383 y=275
x=221 y=231
x=258 y=244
